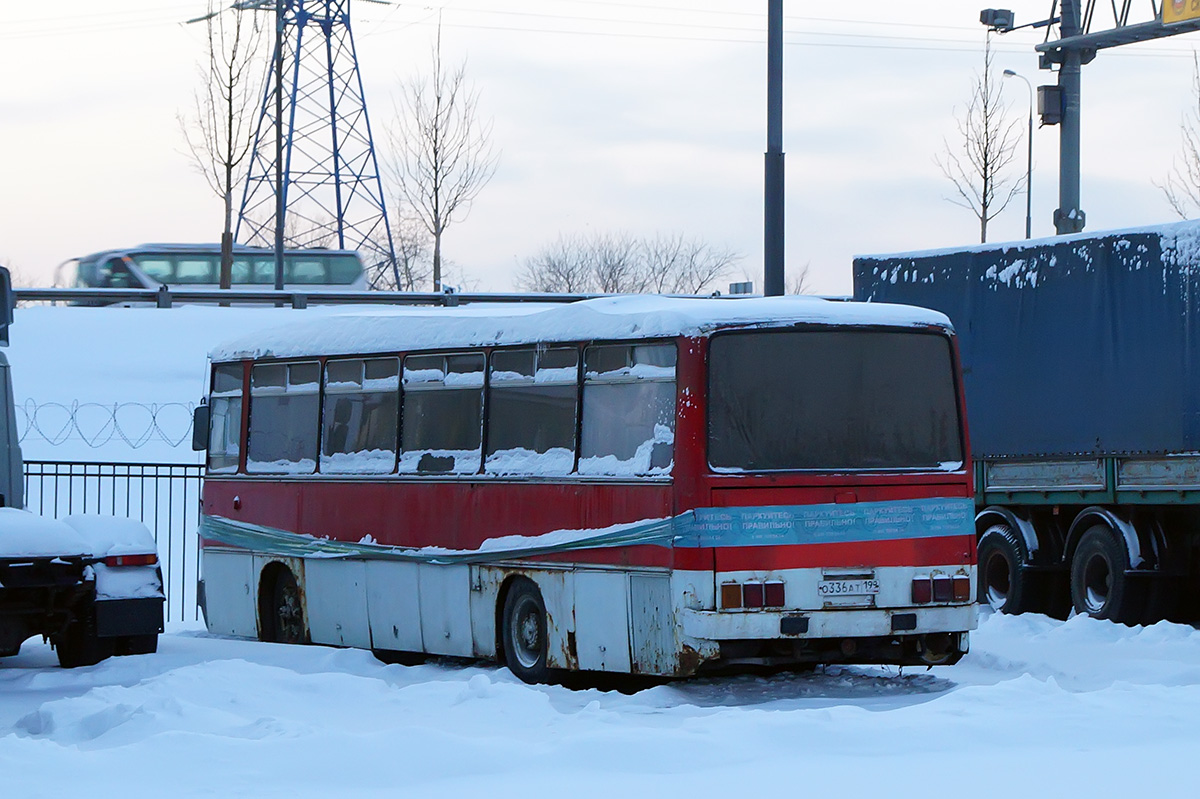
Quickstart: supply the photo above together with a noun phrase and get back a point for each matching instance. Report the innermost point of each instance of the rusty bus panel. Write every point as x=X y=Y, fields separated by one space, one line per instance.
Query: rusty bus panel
x=233 y=610
x=653 y=624
x=394 y=607
x=445 y=609
x=341 y=617
x=602 y=620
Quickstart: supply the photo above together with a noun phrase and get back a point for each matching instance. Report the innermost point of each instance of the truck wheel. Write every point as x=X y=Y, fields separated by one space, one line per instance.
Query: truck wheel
x=1003 y=584
x=287 y=613
x=1099 y=585
x=523 y=632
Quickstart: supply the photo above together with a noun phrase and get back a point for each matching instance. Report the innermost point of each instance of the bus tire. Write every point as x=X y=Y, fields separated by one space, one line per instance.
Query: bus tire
x=1099 y=585
x=287 y=610
x=1003 y=584
x=523 y=632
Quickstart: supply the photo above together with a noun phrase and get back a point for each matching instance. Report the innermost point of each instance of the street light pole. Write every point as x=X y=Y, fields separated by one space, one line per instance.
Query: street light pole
x=773 y=222
x=1008 y=73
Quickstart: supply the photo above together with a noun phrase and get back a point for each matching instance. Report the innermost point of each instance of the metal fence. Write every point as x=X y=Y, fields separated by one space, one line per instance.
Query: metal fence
x=163 y=496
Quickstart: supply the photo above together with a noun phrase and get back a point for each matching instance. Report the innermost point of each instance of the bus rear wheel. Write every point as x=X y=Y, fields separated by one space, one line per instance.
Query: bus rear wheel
x=523 y=632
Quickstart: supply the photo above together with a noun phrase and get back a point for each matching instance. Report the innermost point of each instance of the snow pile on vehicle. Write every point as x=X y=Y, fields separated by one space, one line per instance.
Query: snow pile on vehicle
x=27 y=535
x=112 y=535
x=624 y=317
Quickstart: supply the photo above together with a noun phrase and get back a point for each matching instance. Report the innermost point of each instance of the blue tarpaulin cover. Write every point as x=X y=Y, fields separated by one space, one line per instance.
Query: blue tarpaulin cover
x=1079 y=345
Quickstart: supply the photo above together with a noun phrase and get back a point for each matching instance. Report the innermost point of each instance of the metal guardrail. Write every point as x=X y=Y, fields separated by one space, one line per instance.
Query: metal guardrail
x=165 y=297
x=163 y=496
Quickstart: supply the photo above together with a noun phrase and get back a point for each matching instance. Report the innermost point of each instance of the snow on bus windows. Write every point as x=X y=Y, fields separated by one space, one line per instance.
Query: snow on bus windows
x=628 y=409
x=284 y=402
x=225 y=418
x=532 y=399
x=359 y=420
x=441 y=427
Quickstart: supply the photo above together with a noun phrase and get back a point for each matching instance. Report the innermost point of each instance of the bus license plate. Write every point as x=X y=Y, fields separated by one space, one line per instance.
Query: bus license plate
x=847 y=587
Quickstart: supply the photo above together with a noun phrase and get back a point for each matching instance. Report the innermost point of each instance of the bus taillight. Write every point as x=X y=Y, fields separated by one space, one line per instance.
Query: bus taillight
x=752 y=595
x=941 y=588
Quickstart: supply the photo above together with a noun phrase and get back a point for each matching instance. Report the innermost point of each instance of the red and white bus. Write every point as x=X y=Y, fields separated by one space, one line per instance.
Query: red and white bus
x=638 y=484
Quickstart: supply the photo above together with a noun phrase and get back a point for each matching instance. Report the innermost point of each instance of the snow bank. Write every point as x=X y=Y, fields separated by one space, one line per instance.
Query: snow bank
x=1081 y=708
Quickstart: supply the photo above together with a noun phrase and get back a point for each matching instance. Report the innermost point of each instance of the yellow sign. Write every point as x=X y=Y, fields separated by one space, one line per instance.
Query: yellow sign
x=1180 y=10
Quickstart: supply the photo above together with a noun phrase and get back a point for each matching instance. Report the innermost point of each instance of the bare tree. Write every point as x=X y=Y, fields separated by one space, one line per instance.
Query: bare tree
x=987 y=142
x=559 y=268
x=442 y=153
x=677 y=264
x=220 y=131
x=1182 y=187
x=798 y=280
x=412 y=266
x=617 y=263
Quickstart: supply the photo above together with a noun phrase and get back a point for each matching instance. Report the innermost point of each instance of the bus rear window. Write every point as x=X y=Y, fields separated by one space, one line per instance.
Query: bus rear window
x=831 y=400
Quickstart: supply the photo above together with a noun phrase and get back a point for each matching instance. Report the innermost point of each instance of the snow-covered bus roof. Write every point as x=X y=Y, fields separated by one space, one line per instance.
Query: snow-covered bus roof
x=610 y=318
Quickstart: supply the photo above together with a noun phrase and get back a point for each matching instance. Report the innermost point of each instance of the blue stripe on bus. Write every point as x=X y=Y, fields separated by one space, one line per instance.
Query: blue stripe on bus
x=703 y=527
x=828 y=524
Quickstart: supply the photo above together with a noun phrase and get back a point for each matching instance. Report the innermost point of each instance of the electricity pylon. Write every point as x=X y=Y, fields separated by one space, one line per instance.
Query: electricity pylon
x=314 y=156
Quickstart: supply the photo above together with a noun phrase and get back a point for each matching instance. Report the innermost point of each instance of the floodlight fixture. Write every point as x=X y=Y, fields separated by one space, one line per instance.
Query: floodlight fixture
x=999 y=20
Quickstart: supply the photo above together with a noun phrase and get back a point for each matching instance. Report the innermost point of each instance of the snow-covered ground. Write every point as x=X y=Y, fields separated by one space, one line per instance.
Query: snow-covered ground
x=1039 y=708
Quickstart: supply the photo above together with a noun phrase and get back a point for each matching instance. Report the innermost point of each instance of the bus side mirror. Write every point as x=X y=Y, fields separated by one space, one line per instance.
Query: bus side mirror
x=6 y=304
x=200 y=428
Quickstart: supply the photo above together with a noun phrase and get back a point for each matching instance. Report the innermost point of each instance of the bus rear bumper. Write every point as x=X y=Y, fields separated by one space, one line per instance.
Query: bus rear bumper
x=819 y=624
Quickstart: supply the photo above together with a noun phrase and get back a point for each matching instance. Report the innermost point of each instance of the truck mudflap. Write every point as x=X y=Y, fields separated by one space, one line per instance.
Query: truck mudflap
x=124 y=617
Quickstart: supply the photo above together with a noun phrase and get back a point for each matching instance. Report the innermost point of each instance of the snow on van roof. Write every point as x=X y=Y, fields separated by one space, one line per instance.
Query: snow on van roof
x=634 y=316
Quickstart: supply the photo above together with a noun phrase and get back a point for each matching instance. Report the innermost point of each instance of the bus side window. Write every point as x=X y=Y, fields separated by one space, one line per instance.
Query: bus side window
x=305 y=272
x=361 y=416
x=441 y=423
x=628 y=424
x=284 y=407
x=531 y=411
x=225 y=418
x=197 y=269
x=264 y=272
x=239 y=273
x=344 y=268
x=159 y=269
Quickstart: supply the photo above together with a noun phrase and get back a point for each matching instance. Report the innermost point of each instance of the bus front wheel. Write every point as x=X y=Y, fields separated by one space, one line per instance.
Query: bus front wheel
x=524 y=632
x=287 y=611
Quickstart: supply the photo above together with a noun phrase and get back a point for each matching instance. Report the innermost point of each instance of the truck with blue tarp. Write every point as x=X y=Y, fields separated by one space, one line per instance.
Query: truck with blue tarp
x=1081 y=362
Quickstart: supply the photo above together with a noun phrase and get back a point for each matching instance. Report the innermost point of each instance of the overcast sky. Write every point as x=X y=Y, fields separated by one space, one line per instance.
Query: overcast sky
x=609 y=116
